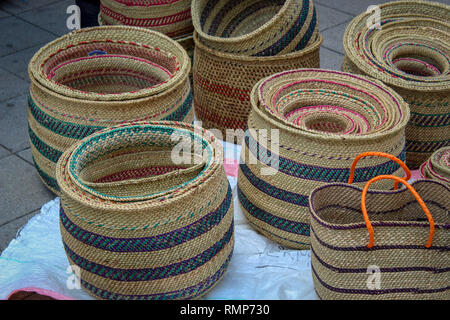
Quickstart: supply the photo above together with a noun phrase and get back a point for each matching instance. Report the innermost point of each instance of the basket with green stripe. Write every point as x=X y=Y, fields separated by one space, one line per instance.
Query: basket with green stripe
x=408 y=49
x=304 y=130
x=100 y=77
x=137 y=214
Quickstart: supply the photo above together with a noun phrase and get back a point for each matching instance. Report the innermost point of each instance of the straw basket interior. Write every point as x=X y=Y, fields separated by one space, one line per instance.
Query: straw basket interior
x=96 y=64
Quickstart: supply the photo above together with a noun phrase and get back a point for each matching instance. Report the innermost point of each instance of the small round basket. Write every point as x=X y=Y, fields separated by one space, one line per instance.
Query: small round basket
x=438 y=166
x=138 y=218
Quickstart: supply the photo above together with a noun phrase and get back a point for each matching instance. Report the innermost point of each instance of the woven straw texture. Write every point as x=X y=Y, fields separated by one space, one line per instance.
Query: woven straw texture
x=100 y=77
x=223 y=82
x=141 y=223
x=255 y=27
x=173 y=17
x=409 y=51
x=343 y=265
x=305 y=128
x=438 y=166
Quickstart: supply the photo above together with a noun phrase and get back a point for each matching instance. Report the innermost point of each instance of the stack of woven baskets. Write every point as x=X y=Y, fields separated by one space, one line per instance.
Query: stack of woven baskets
x=100 y=77
x=437 y=167
x=140 y=221
x=408 y=49
x=305 y=128
x=171 y=17
x=240 y=42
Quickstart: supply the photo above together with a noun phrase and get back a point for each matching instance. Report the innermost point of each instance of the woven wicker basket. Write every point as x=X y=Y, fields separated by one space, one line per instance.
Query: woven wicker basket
x=255 y=27
x=172 y=17
x=223 y=82
x=438 y=166
x=410 y=53
x=393 y=260
x=139 y=219
x=305 y=128
x=94 y=78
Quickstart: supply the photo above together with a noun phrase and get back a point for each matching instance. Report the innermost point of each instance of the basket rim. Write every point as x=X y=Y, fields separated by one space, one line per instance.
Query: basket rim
x=234 y=40
x=314 y=46
x=333 y=137
x=362 y=225
x=121 y=206
x=406 y=84
x=35 y=72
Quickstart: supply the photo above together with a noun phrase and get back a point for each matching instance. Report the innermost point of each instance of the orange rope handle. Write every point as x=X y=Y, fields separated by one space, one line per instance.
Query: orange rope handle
x=379 y=154
x=415 y=194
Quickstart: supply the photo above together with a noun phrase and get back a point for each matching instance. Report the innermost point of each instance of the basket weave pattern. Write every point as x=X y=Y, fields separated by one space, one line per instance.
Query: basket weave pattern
x=313 y=148
x=139 y=225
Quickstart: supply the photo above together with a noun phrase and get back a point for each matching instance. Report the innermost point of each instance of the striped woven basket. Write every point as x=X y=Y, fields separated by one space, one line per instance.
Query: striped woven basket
x=100 y=77
x=137 y=215
x=223 y=82
x=403 y=256
x=305 y=128
x=255 y=27
x=171 y=17
x=409 y=51
x=438 y=166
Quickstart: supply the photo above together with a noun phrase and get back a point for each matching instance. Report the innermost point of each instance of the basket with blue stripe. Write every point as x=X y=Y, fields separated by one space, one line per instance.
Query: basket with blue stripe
x=146 y=211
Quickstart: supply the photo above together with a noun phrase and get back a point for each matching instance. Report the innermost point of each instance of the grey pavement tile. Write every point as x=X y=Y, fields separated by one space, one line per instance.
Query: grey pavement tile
x=10 y=230
x=22 y=189
x=17 y=62
x=4 y=14
x=13 y=124
x=26 y=155
x=353 y=7
x=4 y=152
x=332 y=38
x=329 y=17
x=17 y=6
x=17 y=35
x=51 y=17
x=330 y=60
x=11 y=85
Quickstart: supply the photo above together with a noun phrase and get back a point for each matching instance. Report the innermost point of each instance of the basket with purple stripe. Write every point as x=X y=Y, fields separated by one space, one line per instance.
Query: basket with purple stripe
x=304 y=129
x=137 y=214
x=379 y=244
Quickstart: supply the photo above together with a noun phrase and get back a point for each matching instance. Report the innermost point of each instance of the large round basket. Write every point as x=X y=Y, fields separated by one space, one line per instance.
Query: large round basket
x=408 y=49
x=138 y=218
x=100 y=77
x=223 y=82
x=305 y=129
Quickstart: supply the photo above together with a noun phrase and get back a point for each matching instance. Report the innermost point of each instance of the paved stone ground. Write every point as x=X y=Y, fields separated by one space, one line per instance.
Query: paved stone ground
x=25 y=26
